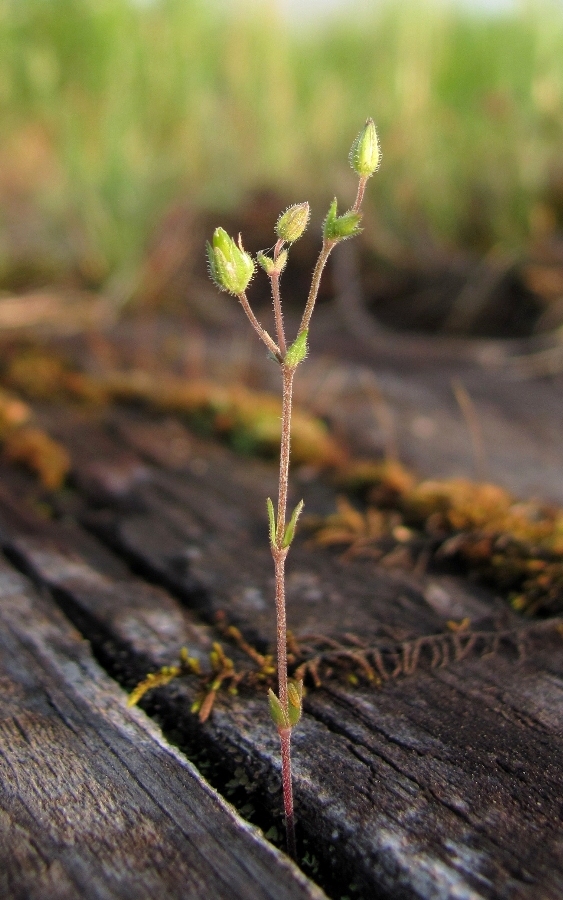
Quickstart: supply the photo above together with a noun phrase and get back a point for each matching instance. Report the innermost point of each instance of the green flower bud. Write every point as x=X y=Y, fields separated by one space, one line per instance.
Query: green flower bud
x=271 y=266
x=294 y=701
x=230 y=266
x=338 y=228
x=293 y=222
x=365 y=154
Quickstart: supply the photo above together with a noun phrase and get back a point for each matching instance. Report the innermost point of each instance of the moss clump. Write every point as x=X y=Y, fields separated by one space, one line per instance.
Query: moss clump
x=515 y=546
x=34 y=449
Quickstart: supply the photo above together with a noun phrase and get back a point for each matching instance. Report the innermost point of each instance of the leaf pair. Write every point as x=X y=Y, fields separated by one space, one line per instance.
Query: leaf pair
x=287 y=718
x=289 y=532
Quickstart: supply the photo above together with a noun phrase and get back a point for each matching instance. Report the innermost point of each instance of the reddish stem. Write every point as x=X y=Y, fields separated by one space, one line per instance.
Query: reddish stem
x=285 y=740
x=261 y=332
x=279 y=554
x=360 y=195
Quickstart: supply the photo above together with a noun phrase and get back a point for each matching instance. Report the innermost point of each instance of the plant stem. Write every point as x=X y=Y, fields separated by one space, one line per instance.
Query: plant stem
x=261 y=332
x=275 y=282
x=279 y=554
x=360 y=194
x=287 y=376
x=285 y=739
x=315 y=284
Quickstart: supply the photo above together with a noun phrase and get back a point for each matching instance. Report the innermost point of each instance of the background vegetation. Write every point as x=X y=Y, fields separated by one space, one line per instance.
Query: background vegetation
x=110 y=110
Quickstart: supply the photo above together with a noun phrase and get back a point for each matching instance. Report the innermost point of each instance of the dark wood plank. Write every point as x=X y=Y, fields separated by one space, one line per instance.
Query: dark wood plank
x=94 y=803
x=447 y=783
x=185 y=530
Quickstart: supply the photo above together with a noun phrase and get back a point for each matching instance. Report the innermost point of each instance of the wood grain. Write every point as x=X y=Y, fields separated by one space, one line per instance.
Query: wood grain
x=444 y=784
x=93 y=802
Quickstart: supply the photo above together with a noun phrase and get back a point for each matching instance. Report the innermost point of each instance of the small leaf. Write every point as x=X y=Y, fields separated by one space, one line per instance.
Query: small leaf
x=277 y=711
x=290 y=527
x=298 y=350
x=330 y=219
x=281 y=261
x=272 y=519
x=295 y=700
x=272 y=266
x=338 y=228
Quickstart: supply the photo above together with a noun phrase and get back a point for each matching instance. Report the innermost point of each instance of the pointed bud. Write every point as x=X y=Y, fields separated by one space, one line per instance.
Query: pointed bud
x=298 y=350
x=293 y=222
x=272 y=266
x=230 y=266
x=276 y=711
x=338 y=228
x=365 y=154
x=295 y=701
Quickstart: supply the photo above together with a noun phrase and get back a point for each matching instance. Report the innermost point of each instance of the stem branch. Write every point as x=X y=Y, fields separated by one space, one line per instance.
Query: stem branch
x=261 y=332
x=315 y=284
x=275 y=282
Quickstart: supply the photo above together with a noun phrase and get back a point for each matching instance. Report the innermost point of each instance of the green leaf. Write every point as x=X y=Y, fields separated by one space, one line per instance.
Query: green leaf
x=328 y=225
x=338 y=228
x=290 y=528
x=272 y=520
x=298 y=350
x=295 y=701
x=277 y=711
x=272 y=266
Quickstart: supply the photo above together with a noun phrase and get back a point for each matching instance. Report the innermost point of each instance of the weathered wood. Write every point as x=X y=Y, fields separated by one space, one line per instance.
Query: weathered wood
x=447 y=783
x=93 y=802
x=185 y=531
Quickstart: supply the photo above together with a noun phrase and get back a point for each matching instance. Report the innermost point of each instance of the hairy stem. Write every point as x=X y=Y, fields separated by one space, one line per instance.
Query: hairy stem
x=360 y=195
x=281 y=629
x=279 y=554
x=315 y=284
x=275 y=282
x=261 y=332
x=287 y=375
x=285 y=739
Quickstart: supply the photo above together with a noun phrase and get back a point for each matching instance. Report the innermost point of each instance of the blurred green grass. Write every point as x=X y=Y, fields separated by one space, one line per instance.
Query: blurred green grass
x=111 y=110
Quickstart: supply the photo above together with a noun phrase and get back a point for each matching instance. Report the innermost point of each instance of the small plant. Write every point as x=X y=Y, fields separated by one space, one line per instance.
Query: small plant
x=232 y=268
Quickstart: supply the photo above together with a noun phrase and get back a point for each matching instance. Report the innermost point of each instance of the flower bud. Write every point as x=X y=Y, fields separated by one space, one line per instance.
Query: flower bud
x=365 y=154
x=338 y=228
x=293 y=222
x=230 y=266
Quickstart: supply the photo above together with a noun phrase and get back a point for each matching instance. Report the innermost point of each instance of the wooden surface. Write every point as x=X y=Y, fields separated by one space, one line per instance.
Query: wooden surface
x=447 y=783
x=94 y=803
